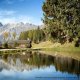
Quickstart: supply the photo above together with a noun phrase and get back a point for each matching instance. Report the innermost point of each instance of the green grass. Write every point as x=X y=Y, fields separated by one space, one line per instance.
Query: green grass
x=66 y=49
x=48 y=46
x=63 y=49
x=67 y=52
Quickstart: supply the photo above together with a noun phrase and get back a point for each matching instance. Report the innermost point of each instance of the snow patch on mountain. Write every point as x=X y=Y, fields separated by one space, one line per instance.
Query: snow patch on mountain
x=15 y=27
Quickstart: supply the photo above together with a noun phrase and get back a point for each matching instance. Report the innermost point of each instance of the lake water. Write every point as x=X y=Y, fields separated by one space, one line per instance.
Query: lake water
x=36 y=66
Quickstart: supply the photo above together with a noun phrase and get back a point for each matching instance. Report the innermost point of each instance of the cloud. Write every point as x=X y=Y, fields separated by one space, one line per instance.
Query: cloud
x=24 y=18
x=10 y=16
x=20 y=18
x=16 y=19
x=6 y=16
x=12 y=1
x=7 y=12
x=8 y=20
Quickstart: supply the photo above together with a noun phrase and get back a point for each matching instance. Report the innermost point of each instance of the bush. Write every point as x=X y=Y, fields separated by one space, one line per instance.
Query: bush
x=28 y=45
x=70 y=39
x=77 y=44
x=5 y=45
x=16 y=44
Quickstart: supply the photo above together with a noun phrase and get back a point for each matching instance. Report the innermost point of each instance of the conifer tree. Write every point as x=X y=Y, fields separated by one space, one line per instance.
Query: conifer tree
x=62 y=16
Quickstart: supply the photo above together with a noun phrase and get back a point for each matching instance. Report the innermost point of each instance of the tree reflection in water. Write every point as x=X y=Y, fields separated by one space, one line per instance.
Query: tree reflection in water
x=33 y=60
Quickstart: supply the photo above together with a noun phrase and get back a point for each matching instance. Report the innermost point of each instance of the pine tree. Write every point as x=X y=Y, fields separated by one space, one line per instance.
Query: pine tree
x=61 y=16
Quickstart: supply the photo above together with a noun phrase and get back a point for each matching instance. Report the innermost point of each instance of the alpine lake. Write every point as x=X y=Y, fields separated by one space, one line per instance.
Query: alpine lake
x=38 y=66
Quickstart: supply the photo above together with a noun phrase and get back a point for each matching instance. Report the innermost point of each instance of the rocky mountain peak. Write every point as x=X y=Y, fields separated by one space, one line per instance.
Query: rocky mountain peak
x=1 y=24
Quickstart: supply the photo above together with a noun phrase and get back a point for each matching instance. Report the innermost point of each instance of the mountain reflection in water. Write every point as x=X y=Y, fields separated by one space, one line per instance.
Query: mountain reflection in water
x=34 y=60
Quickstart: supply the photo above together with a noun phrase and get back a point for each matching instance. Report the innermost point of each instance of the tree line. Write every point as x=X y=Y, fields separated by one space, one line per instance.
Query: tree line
x=36 y=35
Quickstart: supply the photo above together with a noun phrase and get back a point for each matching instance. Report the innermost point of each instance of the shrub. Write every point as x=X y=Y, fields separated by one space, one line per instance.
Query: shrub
x=16 y=44
x=77 y=44
x=5 y=45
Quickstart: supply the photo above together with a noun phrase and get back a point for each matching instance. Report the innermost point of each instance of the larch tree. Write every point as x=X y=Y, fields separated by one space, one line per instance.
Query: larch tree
x=14 y=35
x=62 y=16
x=5 y=35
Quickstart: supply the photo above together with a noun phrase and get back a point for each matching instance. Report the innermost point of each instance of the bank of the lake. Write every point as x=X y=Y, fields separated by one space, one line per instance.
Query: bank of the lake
x=15 y=51
x=56 y=49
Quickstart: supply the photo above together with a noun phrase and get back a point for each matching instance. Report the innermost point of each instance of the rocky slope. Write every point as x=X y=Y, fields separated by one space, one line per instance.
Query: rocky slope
x=16 y=27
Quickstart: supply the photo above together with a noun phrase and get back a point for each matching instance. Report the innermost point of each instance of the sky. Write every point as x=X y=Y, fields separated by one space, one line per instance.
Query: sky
x=27 y=11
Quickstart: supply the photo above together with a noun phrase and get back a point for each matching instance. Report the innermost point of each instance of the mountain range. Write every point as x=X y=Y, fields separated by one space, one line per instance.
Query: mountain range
x=15 y=27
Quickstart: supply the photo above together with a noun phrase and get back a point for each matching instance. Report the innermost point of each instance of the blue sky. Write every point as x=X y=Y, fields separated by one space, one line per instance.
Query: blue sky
x=27 y=11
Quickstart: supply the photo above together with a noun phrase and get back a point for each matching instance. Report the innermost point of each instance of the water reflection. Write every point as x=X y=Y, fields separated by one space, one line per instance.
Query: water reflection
x=34 y=60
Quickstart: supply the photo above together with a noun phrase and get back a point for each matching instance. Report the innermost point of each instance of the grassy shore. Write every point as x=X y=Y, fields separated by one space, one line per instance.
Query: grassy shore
x=49 y=46
x=54 y=49
x=57 y=49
